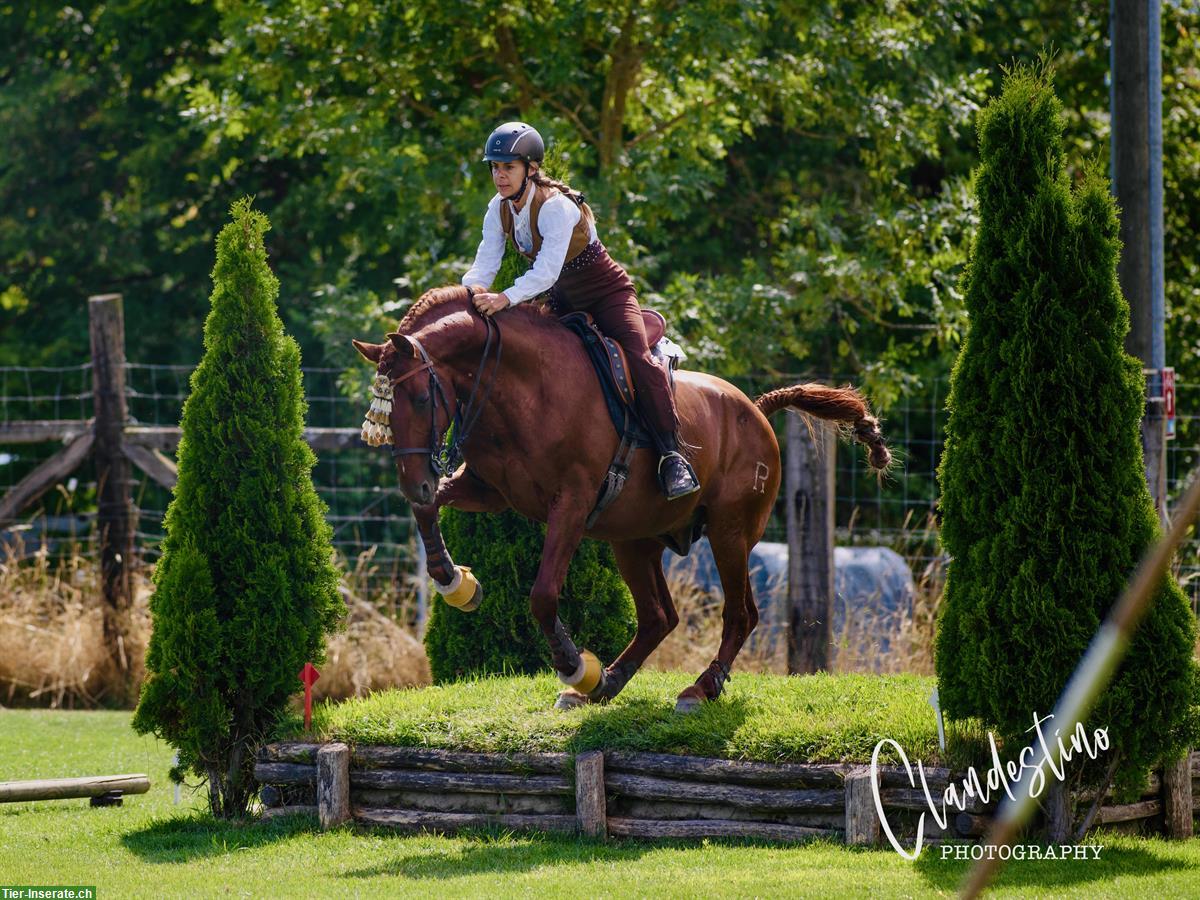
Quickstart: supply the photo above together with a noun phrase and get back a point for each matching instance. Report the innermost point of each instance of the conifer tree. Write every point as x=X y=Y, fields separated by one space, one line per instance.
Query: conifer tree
x=1046 y=510
x=504 y=552
x=245 y=590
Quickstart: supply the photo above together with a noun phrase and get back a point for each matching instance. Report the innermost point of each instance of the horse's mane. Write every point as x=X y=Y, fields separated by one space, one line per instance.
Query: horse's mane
x=433 y=303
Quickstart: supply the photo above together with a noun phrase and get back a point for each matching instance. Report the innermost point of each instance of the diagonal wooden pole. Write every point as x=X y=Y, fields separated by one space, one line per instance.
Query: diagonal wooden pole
x=1090 y=678
x=49 y=473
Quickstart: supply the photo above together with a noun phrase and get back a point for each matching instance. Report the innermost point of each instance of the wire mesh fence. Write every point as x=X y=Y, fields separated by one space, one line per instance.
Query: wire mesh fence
x=372 y=525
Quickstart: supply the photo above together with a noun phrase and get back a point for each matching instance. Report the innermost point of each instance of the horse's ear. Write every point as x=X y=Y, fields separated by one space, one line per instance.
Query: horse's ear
x=402 y=344
x=370 y=352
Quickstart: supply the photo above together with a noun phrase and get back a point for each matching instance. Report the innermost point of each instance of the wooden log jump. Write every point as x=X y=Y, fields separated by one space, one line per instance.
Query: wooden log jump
x=651 y=795
x=597 y=793
x=73 y=788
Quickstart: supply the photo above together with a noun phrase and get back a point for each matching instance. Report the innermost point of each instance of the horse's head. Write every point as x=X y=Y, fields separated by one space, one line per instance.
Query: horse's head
x=411 y=409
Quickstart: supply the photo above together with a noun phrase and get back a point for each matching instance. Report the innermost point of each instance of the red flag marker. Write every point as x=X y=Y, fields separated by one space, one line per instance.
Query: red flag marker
x=309 y=676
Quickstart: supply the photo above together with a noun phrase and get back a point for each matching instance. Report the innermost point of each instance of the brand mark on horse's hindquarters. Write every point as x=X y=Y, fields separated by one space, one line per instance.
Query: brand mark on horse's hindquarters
x=761 y=471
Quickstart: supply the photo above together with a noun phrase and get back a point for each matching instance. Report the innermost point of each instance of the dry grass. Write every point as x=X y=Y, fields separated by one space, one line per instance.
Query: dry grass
x=855 y=648
x=52 y=648
x=694 y=642
x=372 y=654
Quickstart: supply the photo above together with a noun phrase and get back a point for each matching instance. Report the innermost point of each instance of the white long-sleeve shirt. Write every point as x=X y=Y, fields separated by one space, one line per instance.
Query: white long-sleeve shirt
x=556 y=220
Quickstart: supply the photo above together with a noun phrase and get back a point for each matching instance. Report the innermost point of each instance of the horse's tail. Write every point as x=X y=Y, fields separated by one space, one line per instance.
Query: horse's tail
x=844 y=405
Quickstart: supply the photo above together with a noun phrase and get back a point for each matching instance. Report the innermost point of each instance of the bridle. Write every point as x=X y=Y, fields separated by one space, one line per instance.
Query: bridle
x=442 y=458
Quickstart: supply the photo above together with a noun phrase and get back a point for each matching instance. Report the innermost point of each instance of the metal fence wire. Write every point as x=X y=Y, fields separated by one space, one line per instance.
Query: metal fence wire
x=373 y=532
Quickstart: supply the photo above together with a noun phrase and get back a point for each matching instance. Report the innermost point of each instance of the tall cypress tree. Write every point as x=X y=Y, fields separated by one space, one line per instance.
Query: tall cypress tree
x=245 y=591
x=1046 y=510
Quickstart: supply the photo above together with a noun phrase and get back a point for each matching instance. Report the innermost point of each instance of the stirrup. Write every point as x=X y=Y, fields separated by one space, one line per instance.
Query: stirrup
x=691 y=473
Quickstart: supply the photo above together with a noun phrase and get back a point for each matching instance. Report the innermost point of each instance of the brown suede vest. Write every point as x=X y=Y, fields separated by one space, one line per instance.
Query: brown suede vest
x=580 y=236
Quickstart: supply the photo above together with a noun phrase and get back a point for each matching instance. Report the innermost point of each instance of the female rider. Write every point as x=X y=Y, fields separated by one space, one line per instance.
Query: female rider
x=553 y=228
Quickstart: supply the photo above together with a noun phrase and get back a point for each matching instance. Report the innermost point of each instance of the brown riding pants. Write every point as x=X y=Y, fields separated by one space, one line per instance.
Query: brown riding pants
x=595 y=284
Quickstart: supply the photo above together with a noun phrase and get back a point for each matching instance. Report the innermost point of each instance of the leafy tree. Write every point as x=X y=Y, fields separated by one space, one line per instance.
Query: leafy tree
x=751 y=162
x=245 y=591
x=1045 y=505
x=740 y=144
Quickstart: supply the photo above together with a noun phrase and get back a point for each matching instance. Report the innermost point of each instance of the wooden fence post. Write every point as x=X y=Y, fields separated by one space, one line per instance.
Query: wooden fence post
x=590 y=807
x=862 y=820
x=333 y=784
x=1177 y=798
x=115 y=521
x=809 y=482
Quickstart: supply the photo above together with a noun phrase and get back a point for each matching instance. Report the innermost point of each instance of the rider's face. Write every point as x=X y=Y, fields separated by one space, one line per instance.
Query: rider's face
x=507 y=176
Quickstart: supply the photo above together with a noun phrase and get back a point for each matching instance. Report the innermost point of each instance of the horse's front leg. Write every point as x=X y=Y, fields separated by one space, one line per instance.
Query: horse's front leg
x=577 y=669
x=456 y=584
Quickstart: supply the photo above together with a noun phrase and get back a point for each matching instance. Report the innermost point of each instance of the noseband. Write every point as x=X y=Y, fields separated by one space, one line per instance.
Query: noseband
x=442 y=458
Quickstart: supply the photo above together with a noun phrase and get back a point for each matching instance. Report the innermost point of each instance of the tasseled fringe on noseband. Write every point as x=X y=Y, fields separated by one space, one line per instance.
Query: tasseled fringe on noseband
x=377 y=430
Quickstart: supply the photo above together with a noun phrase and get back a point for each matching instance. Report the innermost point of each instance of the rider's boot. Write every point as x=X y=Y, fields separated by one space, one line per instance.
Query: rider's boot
x=675 y=474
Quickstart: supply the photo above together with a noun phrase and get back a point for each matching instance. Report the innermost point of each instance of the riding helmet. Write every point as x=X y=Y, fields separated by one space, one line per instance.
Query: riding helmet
x=512 y=141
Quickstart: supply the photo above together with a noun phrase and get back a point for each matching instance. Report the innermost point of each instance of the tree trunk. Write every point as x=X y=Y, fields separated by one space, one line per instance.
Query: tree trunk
x=1057 y=809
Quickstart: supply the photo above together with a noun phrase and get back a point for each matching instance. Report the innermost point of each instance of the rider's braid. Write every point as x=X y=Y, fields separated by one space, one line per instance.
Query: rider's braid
x=541 y=179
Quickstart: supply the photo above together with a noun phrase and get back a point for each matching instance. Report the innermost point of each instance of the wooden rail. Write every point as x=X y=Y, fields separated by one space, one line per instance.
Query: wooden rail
x=69 y=788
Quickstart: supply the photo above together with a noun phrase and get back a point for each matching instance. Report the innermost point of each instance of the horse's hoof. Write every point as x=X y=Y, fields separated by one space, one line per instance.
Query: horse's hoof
x=468 y=594
x=588 y=677
x=570 y=699
x=689 y=701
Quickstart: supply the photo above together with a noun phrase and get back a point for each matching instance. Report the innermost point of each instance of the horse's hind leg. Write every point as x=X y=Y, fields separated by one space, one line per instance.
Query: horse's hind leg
x=731 y=552
x=640 y=564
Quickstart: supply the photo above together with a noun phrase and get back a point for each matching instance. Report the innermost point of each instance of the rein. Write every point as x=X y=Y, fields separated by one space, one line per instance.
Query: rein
x=443 y=459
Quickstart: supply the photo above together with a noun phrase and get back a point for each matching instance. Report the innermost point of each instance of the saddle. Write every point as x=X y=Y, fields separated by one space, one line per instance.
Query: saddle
x=620 y=394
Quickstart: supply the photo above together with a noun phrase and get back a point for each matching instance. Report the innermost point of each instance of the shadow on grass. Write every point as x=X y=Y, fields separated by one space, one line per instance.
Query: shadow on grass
x=499 y=851
x=185 y=838
x=653 y=724
x=496 y=851
x=1050 y=875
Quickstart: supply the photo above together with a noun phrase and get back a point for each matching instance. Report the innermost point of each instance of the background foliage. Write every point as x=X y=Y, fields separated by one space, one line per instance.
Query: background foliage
x=787 y=181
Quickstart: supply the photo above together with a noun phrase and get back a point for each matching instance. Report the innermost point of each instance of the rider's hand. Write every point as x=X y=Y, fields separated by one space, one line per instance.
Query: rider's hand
x=489 y=304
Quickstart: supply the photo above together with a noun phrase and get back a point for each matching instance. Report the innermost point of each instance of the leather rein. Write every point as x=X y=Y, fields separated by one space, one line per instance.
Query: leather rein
x=444 y=459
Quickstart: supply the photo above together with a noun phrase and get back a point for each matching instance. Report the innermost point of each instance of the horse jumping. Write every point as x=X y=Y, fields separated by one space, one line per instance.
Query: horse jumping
x=534 y=436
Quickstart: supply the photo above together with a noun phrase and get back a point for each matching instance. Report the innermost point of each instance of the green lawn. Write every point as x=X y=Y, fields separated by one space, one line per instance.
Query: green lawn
x=817 y=718
x=151 y=848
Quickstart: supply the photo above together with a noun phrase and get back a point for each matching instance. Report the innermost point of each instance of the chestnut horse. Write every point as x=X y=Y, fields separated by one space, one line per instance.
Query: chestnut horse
x=534 y=436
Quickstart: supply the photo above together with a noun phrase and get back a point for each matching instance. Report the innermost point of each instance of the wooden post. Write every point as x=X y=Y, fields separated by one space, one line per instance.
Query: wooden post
x=115 y=519
x=333 y=784
x=1136 y=170
x=1177 y=798
x=590 y=807
x=809 y=480
x=862 y=820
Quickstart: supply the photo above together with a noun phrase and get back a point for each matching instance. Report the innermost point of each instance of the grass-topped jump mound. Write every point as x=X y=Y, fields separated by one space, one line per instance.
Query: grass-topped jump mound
x=816 y=718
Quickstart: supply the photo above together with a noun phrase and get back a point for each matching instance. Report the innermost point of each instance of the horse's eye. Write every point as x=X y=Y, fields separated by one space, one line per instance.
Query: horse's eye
x=421 y=401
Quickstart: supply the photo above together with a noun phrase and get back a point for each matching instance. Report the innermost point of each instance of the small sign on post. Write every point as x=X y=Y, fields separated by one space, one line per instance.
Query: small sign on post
x=1168 y=392
x=309 y=676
